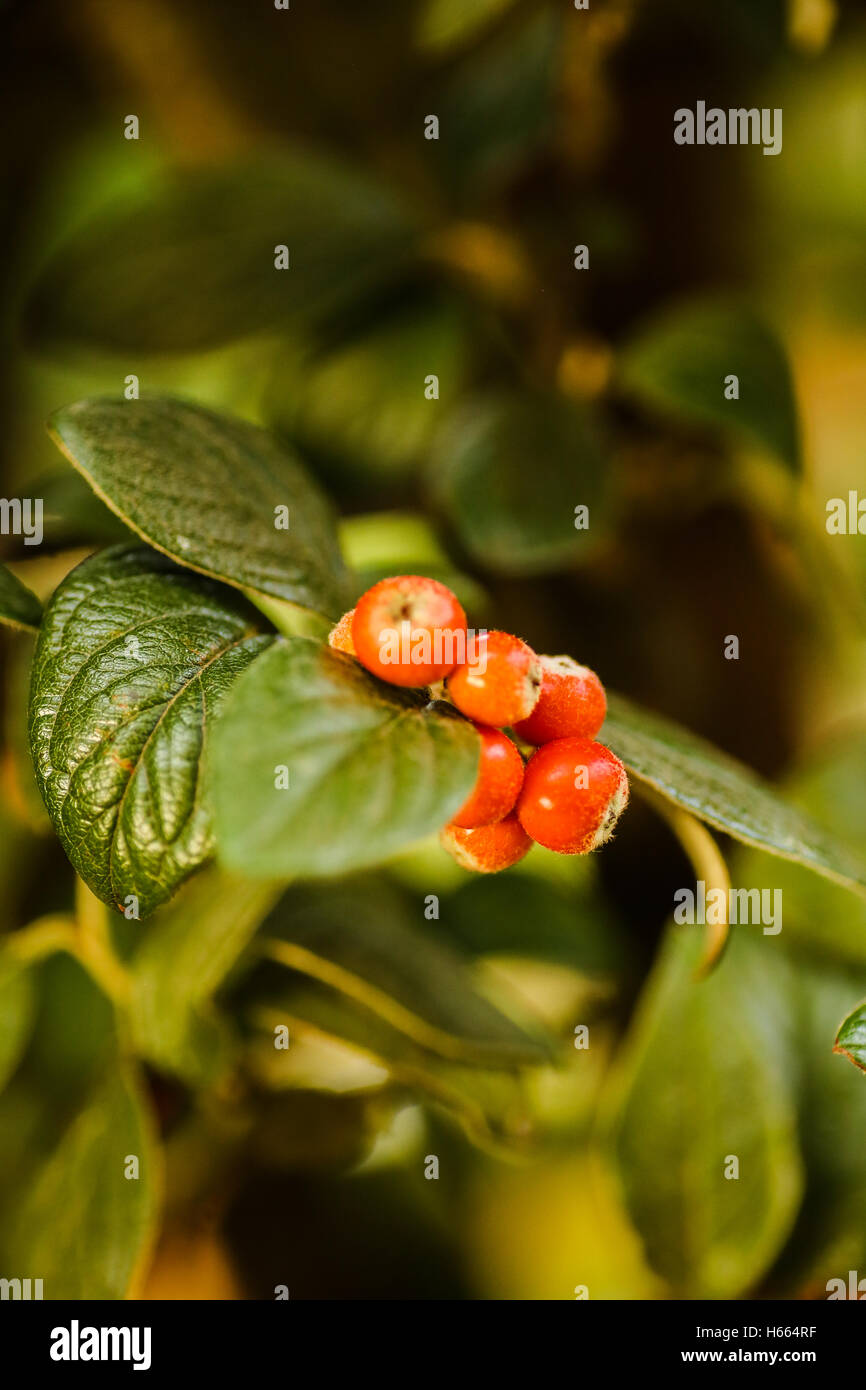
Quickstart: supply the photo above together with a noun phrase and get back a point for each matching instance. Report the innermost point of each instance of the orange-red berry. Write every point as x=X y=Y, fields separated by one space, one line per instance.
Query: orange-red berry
x=340 y=636
x=409 y=630
x=488 y=848
x=573 y=793
x=499 y=682
x=500 y=777
x=571 y=704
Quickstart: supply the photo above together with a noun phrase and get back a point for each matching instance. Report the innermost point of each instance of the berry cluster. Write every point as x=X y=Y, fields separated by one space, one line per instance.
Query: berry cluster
x=411 y=631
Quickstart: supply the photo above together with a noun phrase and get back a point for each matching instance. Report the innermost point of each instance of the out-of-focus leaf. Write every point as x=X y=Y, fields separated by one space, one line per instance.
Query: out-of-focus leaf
x=190 y=264
x=84 y=1226
x=17 y=1011
x=379 y=544
x=18 y=606
x=182 y=961
x=207 y=490
x=445 y=24
x=510 y=472
x=360 y=943
x=521 y=915
x=829 y=1236
x=679 y=364
x=368 y=768
x=362 y=412
x=74 y=515
x=498 y=106
x=717 y=789
x=707 y=1077
x=851 y=1038
x=132 y=663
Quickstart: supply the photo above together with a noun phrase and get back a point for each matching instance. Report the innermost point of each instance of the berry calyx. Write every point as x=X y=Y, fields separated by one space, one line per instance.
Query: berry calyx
x=571 y=704
x=487 y=848
x=574 y=791
x=500 y=777
x=409 y=630
x=340 y=636
x=500 y=681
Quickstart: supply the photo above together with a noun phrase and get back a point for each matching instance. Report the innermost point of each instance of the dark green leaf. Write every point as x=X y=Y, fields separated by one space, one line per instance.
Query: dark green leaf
x=359 y=940
x=18 y=606
x=509 y=473
x=851 y=1038
x=680 y=363
x=719 y=790
x=132 y=663
x=190 y=263
x=205 y=489
x=370 y=768
x=362 y=411
x=84 y=1226
x=705 y=1078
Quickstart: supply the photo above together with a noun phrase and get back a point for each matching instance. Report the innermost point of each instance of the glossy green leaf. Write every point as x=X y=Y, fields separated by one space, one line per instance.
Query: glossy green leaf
x=369 y=768
x=18 y=606
x=851 y=1038
x=207 y=239
x=189 y=949
x=706 y=1078
x=17 y=1010
x=509 y=472
x=679 y=365
x=84 y=1227
x=358 y=939
x=206 y=489
x=133 y=661
x=717 y=789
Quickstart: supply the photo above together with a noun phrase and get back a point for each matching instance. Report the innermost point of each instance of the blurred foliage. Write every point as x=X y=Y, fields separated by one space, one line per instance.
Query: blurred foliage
x=453 y=1034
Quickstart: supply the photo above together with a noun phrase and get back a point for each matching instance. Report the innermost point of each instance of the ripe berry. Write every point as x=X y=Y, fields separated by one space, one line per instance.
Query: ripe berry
x=573 y=793
x=572 y=703
x=340 y=636
x=500 y=777
x=409 y=630
x=499 y=682
x=488 y=848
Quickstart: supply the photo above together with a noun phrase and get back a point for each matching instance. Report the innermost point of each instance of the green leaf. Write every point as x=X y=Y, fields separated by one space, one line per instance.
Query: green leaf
x=717 y=789
x=829 y=1236
x=705 y=1076
x=18 y=606
x=509 y=472
x=370 y=768
x=445 y=24
x=84 y=1227
x=357 y=939
x=851 y=1038
x=132 y=663
x=679 y=364
x=189 y=949
x=207 y=239
x=361 y=411
x=17 y=1012
x=205 y=489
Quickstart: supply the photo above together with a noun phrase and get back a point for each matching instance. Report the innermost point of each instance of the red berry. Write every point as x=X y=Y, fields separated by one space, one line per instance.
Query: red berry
x=572 y=703
x=488 y=848
x=409 y=630
x=573 y=793
x=500 y=777
x=340 y=636
x=499 y=682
